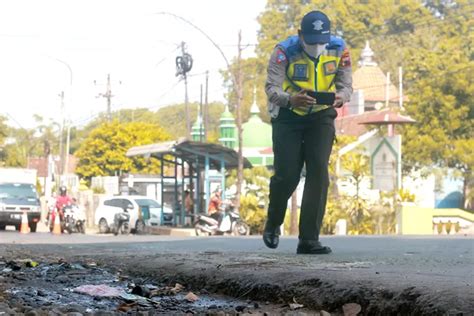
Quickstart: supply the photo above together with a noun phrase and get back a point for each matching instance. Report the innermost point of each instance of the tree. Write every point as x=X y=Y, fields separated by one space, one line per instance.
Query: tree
x=3 y=129
x=254 y=198
x=103 y=152
x=432 y=40
x=171 y=119
x=31 y=142
x=357 y=165
x=440 y=76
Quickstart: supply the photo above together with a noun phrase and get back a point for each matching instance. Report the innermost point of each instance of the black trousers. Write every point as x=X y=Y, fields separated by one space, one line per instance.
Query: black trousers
x=299 y=140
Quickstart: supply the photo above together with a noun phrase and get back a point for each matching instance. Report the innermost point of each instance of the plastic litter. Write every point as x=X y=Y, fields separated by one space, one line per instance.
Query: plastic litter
x=31 y=264
x=101 y=290
x=294 y=306
x=191 y=297
x=351 y=309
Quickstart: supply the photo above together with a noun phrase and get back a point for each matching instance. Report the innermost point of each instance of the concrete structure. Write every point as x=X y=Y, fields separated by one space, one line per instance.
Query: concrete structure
x=415 y=220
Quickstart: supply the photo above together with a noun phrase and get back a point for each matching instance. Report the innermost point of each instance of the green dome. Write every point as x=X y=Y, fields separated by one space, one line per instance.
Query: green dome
x=226 y=115
x=256 y=133
x=227 y=129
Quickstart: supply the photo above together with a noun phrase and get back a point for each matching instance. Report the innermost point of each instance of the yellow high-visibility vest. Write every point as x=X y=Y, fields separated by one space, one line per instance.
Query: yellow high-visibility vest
x=304 y=72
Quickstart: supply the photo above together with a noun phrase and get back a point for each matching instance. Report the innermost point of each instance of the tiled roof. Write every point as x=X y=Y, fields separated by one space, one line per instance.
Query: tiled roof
x=373 y=81
x=355 y=125
x=349 y=124
x=387 y=116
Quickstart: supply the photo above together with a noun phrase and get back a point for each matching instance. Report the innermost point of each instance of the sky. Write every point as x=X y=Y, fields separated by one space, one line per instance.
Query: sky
x=72 y=45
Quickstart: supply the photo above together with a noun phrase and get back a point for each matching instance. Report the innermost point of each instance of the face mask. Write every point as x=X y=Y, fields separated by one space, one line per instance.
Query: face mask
x=314 y=50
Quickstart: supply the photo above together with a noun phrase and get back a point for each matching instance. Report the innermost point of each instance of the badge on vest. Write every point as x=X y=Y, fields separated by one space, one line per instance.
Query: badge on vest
x=300 y=72
x=330 y=68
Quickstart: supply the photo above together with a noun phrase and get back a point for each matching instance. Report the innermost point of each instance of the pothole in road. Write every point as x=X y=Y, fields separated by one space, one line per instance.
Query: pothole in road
x=85 y=288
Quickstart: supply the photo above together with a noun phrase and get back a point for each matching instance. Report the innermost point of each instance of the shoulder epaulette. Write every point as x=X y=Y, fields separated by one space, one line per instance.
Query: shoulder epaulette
x=336 y=43
x=291 y=46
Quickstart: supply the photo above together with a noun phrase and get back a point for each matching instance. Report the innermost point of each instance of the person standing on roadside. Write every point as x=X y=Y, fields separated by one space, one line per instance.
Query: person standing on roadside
x=301 y=72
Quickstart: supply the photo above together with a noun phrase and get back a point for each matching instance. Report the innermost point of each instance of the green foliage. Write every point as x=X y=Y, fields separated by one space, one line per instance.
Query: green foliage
x=103 y=152
x=432 y=41
x=253 y=213
x=358 y=166
x=406 y=196
x=254 y=200
x=3 y=129
x=30 y=142
x=171 y=118
x=98 y=190
x=39 y=187
x=335 y=210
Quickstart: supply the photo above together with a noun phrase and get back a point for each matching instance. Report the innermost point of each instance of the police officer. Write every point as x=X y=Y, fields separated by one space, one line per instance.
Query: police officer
x=302 y=129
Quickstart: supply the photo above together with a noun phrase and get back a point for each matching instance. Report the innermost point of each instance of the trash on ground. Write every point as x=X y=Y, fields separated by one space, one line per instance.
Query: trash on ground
x=101 y=290
x=191 y=297
x=124 y=307
x=166 y=291
x=31 y=264
x=351 y=309
x=141 y=290
x=294 y=306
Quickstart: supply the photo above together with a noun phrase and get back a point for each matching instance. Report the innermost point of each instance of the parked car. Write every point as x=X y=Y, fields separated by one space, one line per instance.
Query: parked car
x=16 y=199
x=143 y=211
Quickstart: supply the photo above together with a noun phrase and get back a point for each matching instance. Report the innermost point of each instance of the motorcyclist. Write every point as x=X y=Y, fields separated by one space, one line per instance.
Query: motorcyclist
x=61 y=201
x=214 y=209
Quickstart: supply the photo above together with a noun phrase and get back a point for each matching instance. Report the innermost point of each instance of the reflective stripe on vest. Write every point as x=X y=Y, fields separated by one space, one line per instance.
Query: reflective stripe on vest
x=302 y=73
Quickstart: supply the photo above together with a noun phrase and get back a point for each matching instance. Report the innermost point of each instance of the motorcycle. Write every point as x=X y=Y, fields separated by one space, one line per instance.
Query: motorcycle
x=121 y=223
x=74 y=221
x=50 y=218
x=227 y=222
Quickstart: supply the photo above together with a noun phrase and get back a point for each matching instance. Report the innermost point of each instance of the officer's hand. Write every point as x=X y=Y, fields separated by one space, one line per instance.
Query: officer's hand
x=338 y=102
x=302 y=100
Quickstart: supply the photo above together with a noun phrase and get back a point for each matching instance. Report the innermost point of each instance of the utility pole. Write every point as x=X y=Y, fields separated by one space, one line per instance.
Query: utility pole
x=387 y=91
x=61 y=131
x=206 y=108
x=400 y=87
x=200 y=111
x=68 y=139
x=107 y=95
x=184 y=64
x=239 y=92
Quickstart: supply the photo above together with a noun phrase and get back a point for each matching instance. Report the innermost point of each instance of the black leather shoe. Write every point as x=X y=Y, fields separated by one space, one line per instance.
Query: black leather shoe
x=312 y=247
x=271 y=236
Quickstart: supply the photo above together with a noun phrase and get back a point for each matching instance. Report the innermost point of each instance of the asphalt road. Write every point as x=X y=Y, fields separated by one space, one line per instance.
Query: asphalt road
x=440 y=268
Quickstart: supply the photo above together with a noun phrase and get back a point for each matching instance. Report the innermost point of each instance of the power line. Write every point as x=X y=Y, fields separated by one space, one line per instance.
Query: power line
x=14 y=120
x=166 y=57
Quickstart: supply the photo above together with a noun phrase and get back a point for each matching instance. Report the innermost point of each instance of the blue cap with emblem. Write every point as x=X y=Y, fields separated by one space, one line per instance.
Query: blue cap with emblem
x=316 y=28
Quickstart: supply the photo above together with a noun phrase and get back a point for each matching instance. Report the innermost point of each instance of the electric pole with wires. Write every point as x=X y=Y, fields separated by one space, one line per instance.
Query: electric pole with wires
x=108 y=95
x=184 y=63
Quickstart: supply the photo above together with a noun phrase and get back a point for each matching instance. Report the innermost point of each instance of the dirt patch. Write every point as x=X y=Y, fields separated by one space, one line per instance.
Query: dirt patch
x=88 y=288
x=284 y=280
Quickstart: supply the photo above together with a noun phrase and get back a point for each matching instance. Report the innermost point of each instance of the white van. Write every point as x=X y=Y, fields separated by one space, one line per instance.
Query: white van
x=134 y=204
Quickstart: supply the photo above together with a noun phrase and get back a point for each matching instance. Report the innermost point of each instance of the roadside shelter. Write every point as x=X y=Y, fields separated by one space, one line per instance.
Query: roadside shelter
x=191 y=161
